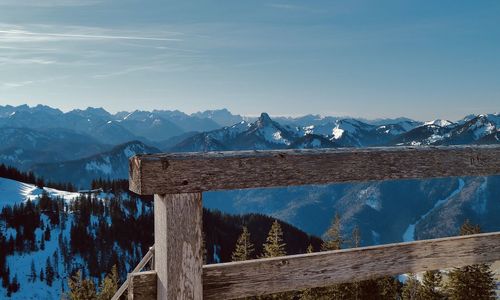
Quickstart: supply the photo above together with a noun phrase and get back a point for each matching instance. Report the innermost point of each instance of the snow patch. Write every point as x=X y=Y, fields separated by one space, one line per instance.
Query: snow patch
x=375 y=237
x=370 y=196
x=439 y=122
x=409 y=234
x=273 y=135
x=337 y=133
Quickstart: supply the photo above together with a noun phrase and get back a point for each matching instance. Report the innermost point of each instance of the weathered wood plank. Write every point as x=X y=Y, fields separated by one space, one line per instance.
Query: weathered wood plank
x=262 y=276
x=178 y=246
x=142 y=285
x=198 y=172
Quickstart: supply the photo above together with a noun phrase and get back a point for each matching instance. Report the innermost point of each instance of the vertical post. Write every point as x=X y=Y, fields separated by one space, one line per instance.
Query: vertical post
x=178 y=243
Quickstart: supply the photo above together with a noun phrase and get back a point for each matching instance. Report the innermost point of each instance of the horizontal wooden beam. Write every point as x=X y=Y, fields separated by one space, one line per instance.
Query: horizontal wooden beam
x=264 y=276
x=199 y=172
x=142 y=285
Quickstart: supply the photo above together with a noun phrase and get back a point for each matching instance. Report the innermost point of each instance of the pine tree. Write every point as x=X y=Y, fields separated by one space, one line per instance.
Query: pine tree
x=55 y=258
x=431 y=286
x=244 y=248
x=333 y=241
x=49 y=272
x=109 y=285
x=33 y=271
x=333 y=236
x=42 y=244
x=356 y=237
x=411 y=288
x=46 y=234
x=42 y=275
x=15 y=285
x=471 y=282
x=274 y=245
x=387 y=287
x=81 y=289
x=5 y=277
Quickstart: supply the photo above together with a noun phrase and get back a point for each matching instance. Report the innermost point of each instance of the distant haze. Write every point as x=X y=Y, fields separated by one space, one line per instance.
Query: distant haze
x=372 y=59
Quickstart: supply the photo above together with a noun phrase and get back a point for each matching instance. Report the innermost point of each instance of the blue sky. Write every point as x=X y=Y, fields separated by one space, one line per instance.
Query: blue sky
x=421 y=59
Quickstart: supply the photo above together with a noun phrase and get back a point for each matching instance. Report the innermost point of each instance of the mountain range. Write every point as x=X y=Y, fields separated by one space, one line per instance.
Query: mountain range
x=82 y=145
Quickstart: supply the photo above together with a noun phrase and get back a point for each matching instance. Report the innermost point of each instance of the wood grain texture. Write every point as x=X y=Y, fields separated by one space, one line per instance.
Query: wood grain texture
x=263 y=276
x=198 y=172
x=142 y=285
x=178 y=246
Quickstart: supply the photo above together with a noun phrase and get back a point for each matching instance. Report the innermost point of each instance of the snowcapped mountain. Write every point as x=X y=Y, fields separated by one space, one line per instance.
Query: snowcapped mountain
x=112 y=164
x=220 y=116
x=265 y=133
x=439 y=122
x=429 y=134
x=472 y=129
x=149 y=125
x=107 y=128
x=406 y=123
x=354 y=133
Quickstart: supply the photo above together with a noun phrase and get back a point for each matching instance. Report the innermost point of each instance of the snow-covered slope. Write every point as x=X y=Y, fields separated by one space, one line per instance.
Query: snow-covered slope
x=52 y=232
x=14 y=192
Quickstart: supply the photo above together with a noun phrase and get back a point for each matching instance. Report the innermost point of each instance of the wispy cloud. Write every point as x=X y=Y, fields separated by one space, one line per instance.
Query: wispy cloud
x=49 y=3
x=42 y=44
x=124 y=71
x=15 y=35
x=293 y=7
x=23 y=83
x=28 y=61
x=99 y=53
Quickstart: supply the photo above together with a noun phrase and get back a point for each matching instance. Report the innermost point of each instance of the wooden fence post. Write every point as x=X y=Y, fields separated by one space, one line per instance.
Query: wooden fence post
x=178 y=246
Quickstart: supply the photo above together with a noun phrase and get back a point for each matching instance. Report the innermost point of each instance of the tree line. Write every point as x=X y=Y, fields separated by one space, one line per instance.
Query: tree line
x=469 y=282
x=30 y=177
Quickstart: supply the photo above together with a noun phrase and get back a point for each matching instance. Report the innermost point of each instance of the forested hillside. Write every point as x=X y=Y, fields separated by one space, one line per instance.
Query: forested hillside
x=45 y=238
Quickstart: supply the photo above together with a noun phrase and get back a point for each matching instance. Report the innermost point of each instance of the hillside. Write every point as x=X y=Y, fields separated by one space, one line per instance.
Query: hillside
x=112 y=164
x=55 y=233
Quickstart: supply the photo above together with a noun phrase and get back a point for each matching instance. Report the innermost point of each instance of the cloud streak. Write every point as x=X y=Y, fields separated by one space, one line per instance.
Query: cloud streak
x=23 y=83
x=48 y=3
x=23 y=35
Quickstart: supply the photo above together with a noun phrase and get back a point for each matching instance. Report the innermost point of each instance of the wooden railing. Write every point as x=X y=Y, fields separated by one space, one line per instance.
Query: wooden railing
x=178 y=180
